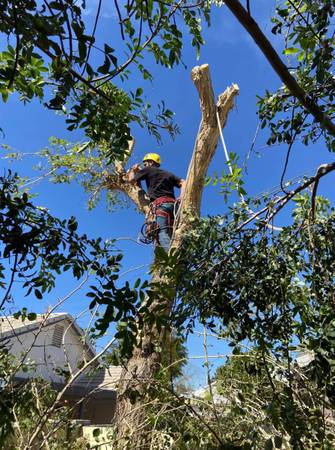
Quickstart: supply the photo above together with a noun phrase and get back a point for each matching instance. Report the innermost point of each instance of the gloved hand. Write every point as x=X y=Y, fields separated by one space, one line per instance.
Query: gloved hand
x=136 y=167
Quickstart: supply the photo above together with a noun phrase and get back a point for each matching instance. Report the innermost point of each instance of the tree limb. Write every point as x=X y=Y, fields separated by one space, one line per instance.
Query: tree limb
x=277 y=64
x=119 y=182
x=323 y=170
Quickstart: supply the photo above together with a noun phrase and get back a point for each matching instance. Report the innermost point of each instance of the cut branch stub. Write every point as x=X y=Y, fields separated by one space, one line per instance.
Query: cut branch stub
x=119 y=165
x=118 y=181
x=205 y=144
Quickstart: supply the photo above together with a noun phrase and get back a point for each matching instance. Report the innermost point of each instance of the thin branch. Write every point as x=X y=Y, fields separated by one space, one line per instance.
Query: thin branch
x=17 y=48
x=64 y=345
x=148 y=16
x=195 y=412
x=120 y=18
x=313 y=200
x=252 y=145
x=36 y=180
x=60 y=35
x=68 y=25
x=92 y=35
x=209 y=381
x=133 y=269
x=304 y=20
x=194 y=5
x=323 y=170
x=90 y=84
x=288 y=153
x=136 y=51
x=145 y=44
x=248 y=7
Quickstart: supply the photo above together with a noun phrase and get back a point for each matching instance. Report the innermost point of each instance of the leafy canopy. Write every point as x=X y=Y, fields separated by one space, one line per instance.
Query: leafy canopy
x=307 y=29
x=53 y=55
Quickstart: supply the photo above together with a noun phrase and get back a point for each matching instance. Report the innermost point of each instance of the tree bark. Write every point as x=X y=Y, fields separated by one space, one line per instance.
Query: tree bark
x=205 y=145
x=138 y=377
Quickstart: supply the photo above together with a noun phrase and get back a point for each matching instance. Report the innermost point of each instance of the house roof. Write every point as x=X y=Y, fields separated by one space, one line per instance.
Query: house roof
x=8 y=323
x=105 y=377
x=101 y=383
x=9 y=326
x=98 y=383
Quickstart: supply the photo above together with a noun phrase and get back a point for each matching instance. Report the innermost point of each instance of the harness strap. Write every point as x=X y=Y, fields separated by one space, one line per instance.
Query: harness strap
x=161 y=200
x=151 y=228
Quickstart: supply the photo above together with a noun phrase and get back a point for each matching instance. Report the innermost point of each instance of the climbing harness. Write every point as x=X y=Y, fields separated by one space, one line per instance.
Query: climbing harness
x=151 y=227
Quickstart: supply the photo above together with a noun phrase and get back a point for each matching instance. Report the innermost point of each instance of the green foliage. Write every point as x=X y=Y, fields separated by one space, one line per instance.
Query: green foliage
x=36 y=248
x=126 y=307
x=274 y=291
x=308 y=30
x=29 y=80
x=279 y=403
x=105 y=119
x=49 y=45
x=83 y=163
x=230 y=181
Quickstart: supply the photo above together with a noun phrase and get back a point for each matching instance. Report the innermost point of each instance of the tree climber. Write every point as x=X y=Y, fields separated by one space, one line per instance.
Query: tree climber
x=160 y=189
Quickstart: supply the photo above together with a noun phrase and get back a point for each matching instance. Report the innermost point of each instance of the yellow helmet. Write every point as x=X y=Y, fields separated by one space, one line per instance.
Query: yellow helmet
x=152 y=157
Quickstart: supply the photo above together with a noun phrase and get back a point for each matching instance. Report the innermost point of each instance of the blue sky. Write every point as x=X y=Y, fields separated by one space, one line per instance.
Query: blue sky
x=233 y=58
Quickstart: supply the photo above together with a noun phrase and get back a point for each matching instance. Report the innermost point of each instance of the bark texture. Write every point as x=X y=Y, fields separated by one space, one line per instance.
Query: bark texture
x=205 y=145
x=138 y=376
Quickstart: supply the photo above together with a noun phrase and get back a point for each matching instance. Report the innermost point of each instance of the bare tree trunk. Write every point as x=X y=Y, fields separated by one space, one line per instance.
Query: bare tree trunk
x=137 y=380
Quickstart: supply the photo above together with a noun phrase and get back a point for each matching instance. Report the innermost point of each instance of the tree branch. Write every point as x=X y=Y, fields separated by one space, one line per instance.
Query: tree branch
x=323 y=170
x=119 y=182
x=277 y=64
x=60 y=395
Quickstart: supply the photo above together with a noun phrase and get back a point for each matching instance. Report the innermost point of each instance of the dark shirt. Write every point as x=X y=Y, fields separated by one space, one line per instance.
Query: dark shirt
x=160 y=183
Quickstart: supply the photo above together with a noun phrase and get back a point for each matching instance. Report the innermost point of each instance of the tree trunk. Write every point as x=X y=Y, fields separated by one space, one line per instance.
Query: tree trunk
x=138 y=377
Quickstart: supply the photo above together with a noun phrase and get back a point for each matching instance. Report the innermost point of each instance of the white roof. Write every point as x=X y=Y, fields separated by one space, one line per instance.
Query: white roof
x=105 y=378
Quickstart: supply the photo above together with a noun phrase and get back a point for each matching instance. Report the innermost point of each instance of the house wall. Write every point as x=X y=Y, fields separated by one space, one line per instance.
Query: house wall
x=99 y=411
x=45 y=355
x=96 y=410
